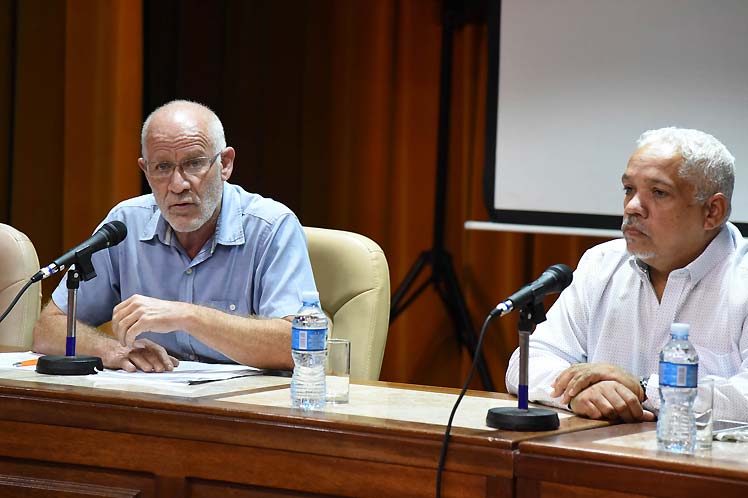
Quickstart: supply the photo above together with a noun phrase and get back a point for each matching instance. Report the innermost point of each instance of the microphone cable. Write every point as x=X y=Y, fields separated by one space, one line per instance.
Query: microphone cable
x=15 y=299
x=445 y=441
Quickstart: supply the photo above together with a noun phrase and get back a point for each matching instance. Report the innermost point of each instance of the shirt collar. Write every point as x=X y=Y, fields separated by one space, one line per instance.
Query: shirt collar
x=156 y=226
x=229 y=229
x=717 y=251
x=640 y=267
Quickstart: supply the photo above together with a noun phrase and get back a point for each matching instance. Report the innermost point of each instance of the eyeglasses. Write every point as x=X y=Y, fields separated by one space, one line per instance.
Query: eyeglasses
x=194 y=166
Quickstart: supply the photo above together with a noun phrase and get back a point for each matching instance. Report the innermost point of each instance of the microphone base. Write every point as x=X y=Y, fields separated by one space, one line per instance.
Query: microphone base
x=68 y=365
x=515 y=419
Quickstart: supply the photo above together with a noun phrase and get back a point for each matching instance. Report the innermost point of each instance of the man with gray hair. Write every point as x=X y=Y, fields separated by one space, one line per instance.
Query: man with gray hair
x=680 y=260
x=208 y=271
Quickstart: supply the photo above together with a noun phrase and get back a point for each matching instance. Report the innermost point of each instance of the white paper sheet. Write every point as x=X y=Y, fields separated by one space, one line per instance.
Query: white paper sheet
x=187 y=372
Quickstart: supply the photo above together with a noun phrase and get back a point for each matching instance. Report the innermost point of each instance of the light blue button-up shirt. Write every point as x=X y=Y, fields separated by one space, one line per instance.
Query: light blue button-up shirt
x=256 y=263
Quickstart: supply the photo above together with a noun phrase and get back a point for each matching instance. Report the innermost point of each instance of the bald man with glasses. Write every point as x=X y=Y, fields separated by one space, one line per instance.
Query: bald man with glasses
x=208 y=271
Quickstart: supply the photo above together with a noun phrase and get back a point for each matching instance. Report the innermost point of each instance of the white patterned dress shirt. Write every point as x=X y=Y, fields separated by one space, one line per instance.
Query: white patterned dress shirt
x=611 y=314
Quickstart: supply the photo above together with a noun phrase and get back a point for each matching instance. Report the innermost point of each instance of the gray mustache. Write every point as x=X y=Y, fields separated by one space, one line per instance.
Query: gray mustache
x=632 y=223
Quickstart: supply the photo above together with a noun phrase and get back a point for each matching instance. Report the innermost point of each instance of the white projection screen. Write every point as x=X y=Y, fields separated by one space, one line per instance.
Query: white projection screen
x=573 y=83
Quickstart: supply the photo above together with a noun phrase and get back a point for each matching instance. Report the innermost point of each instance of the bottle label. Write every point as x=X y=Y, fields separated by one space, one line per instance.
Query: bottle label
x=308 y=339
x=678 y=374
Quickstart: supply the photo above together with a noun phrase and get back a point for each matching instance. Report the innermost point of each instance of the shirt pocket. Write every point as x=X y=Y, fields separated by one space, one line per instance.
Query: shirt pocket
x=230 y=307
x=720 y=364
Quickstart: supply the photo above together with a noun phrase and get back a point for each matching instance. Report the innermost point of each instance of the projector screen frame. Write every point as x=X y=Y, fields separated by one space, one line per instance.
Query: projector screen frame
x=524 y=218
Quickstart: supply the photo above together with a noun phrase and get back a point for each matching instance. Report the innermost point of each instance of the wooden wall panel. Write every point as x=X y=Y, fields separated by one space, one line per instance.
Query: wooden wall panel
x=7 y=76
x=39 y=138
x=103 y=88
x=76 y=114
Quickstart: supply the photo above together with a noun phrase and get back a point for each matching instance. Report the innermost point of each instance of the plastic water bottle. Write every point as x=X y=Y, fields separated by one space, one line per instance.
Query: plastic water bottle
x=679 y=366
x=308 y=348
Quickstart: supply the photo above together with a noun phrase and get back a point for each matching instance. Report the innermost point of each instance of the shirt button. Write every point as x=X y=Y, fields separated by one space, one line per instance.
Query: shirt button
x=232 y=307
x=192 y=357
x=188 y=271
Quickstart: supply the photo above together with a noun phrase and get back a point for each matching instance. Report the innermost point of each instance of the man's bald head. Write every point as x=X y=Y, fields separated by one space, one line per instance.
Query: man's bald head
x=185 y=111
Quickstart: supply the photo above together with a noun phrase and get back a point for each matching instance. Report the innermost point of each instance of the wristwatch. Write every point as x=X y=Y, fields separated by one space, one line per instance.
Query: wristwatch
x=643 y=381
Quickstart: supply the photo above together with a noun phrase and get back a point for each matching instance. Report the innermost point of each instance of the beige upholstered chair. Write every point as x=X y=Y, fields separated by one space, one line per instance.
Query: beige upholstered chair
x=353 y=281
x=18 y=262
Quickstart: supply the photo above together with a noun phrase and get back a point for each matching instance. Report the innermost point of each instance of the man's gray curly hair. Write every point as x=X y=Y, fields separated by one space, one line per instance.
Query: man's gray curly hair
x=706 y=162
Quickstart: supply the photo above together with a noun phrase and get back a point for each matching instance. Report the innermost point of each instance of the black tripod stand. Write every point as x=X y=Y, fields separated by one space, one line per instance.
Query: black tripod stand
x=443 y=276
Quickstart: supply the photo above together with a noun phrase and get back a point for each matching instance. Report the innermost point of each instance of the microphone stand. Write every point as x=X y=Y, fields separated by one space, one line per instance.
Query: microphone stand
x=524 y=418
x=70 y=364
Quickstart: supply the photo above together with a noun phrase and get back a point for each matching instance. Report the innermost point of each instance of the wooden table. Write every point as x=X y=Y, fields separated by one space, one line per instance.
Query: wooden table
x=229 y=440
x=623 y=461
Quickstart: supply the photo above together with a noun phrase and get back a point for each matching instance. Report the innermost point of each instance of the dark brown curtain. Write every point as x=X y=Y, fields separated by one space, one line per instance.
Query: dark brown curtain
x=332 y=106
x=69 y=116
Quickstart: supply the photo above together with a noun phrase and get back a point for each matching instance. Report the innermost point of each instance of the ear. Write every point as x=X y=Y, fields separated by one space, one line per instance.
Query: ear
x=141 y=165
x=715 y=210
x=227 y=162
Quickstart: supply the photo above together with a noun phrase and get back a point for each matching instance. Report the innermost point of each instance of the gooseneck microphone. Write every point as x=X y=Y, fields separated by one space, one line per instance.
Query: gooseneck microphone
x=78 y=260
x=555 y=279
x=529 y=300
x=110 y=234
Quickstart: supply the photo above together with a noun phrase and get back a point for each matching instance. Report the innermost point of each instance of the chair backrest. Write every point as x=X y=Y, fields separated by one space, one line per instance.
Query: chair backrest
x=18 y=262
x=353 y=281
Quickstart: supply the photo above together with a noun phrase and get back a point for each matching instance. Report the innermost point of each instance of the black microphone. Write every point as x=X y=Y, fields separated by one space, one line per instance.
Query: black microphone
x=555 y=279
x=110 y=234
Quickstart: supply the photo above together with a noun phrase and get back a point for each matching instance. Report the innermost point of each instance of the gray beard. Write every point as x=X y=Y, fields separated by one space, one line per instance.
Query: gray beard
x=643 y=256
x=210 y=201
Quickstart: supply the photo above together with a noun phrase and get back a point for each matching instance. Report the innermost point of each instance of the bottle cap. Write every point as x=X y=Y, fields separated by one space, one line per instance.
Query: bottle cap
x=680 y=330
x=310 y=297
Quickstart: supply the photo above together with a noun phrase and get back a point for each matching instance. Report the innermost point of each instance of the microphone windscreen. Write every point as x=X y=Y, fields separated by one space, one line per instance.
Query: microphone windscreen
x=563 y=274
x=114 y=231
